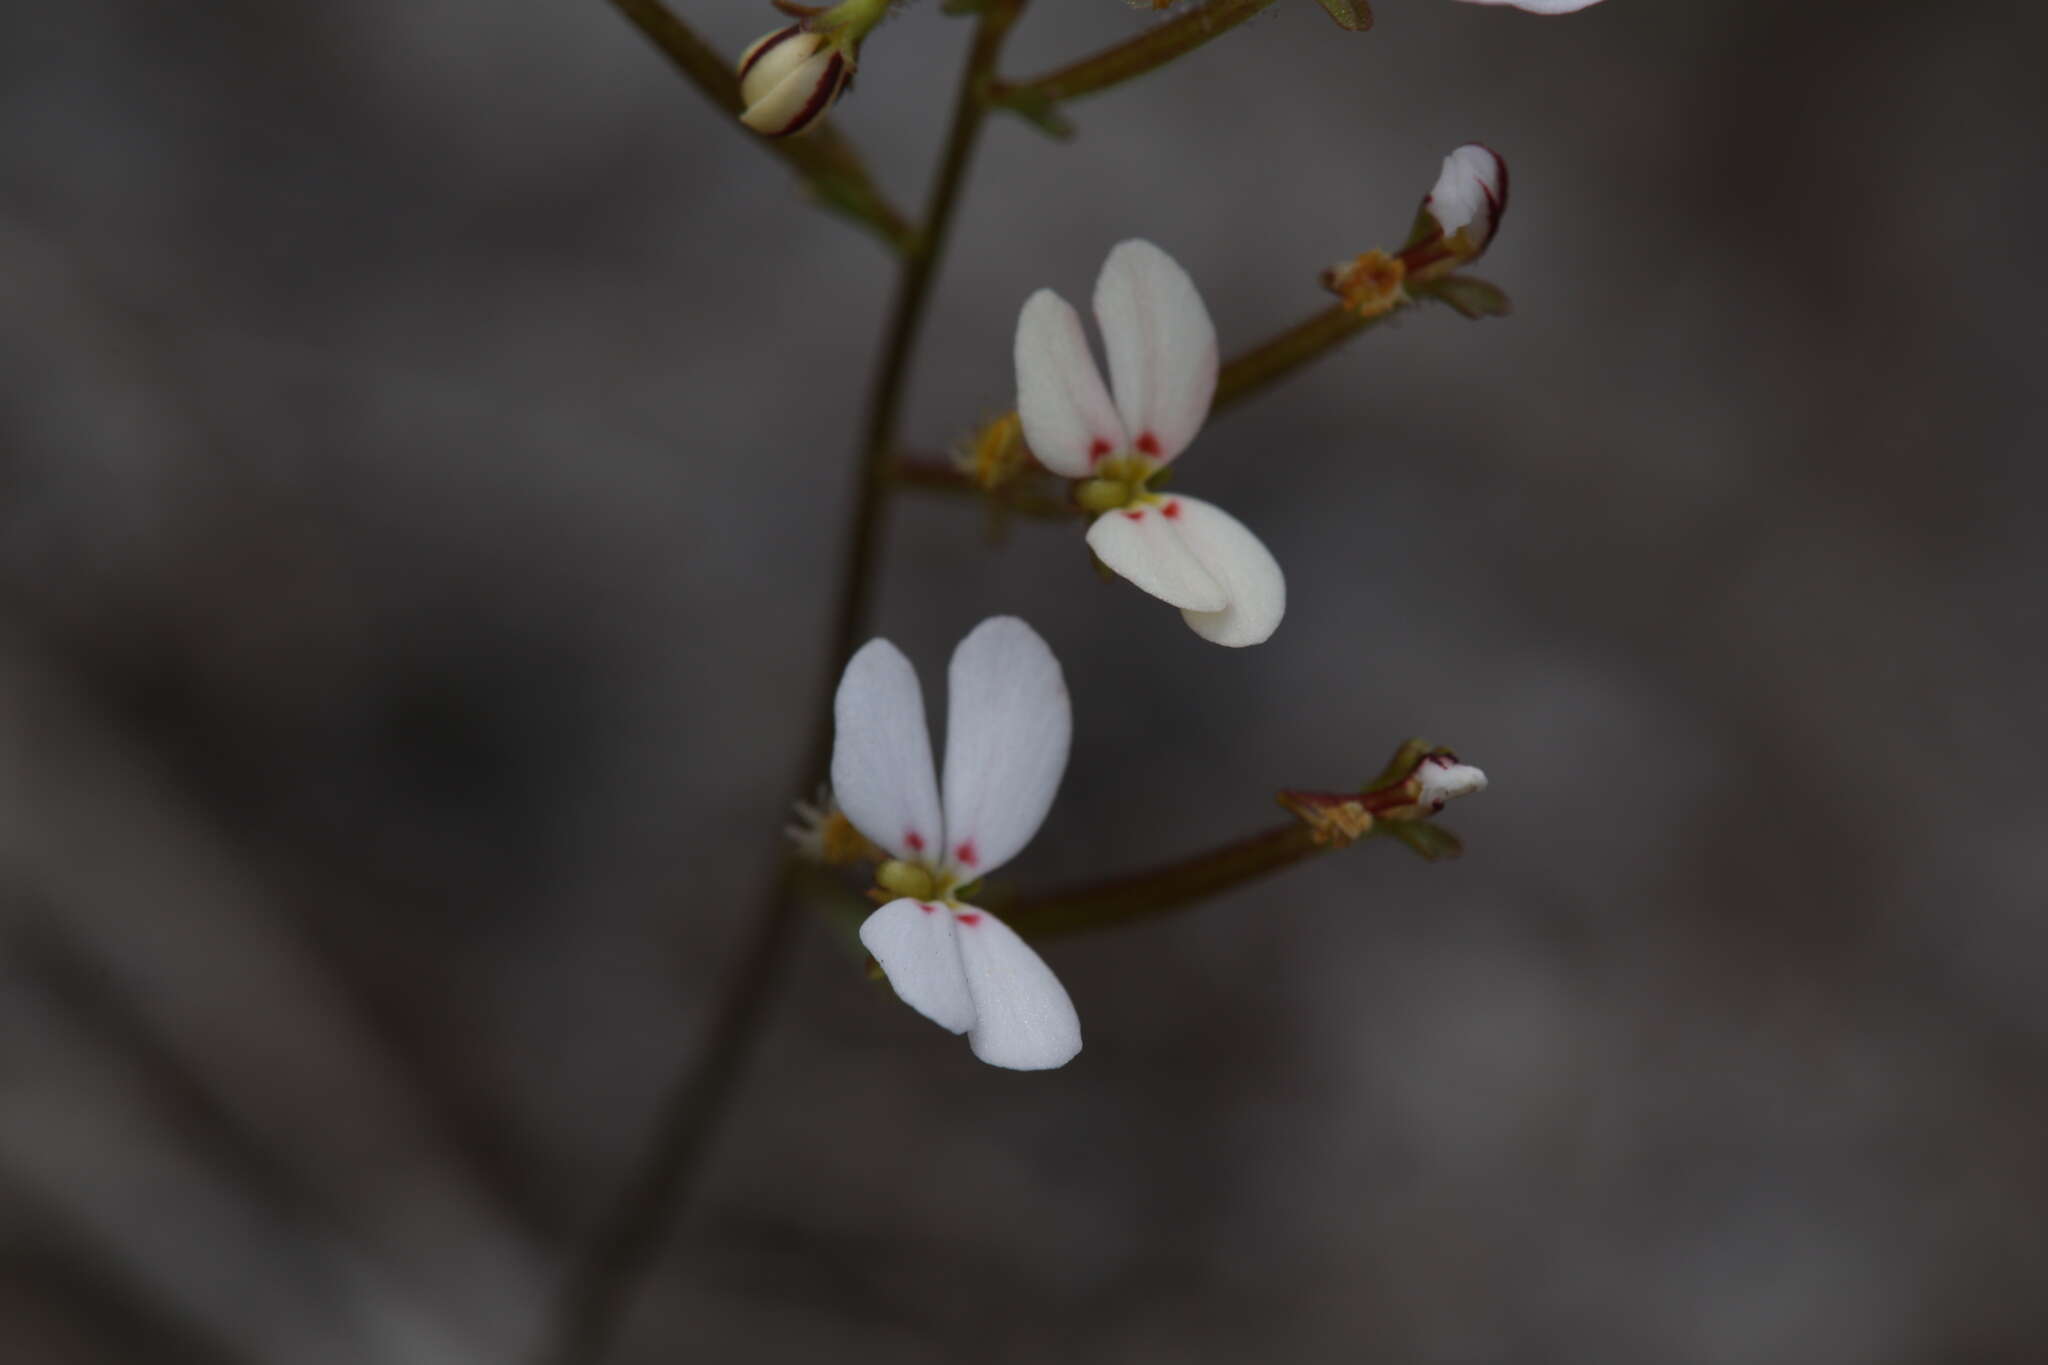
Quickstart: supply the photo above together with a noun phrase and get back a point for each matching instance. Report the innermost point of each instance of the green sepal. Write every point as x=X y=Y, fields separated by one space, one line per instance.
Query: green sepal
x=1425 y=228
x=1402 y=765
x=1435 y=843
x=1355 y=15
x=1469 y=294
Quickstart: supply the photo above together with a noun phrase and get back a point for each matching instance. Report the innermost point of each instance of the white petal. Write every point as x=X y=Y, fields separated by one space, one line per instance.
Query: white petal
x=1162 y=347
x=788 y=85
x=1541 y=6
x=1008 y=724
x=1241 y=563
x=773 y=57
x=882 y=754
x=915 y=941
x=1069 y=421
x=1446 y=779
x=1470 y=192
x=1141 y=544
x=1023 y=1018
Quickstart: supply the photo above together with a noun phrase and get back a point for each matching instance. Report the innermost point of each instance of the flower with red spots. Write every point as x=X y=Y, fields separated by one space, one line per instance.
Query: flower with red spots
x=1113 y=439
x=1008 y=724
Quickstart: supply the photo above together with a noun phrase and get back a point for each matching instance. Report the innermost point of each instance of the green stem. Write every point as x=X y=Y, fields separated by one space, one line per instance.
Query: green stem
x=1325 y=821
x=621 y=1250
x=826 y=161
x=1154 y=47
x=913 y=293
x=1245 y=374
x=591 y=1304
x=1165 y=888
x=934 y=475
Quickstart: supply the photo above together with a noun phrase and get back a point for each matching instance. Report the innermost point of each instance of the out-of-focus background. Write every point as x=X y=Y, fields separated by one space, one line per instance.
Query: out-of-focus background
x=425 y=433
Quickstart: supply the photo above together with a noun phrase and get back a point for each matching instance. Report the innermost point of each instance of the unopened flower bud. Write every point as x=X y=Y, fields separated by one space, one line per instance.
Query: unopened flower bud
x=789 y=78
x=1441 y=778
x=1469 y=198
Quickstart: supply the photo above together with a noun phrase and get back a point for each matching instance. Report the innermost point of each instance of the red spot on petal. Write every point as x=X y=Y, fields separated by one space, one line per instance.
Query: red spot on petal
x=1172 y=509
x=1099 y=449
x=1148 y=443
x=1136 y=516
x=913 y=840
x=966 y=854
x=968 y=918
x=926 y=908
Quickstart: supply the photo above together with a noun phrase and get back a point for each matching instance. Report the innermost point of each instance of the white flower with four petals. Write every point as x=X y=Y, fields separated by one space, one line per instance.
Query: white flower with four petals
x=1008 y=725
x=1116 y=437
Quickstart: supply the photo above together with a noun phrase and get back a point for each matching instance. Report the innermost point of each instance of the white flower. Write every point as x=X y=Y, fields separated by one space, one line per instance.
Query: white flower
x=1162 y=371
x=1008 y=724
x=1470 y=195
x=1541 y=6
x=789 y=78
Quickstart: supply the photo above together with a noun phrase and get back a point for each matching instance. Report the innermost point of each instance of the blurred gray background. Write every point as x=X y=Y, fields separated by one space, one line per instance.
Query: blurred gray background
x=425 y=432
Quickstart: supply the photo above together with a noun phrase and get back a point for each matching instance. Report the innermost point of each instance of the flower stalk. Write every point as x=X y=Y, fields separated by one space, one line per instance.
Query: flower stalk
x=1173 y=886
x=1400 y=801
x=1039 y=98
x=913 y=294
x=1282 y=355
x=621 y=1248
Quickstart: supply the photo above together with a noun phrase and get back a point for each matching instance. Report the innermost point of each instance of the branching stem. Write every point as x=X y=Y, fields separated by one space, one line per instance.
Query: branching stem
x=599 y=1287
x=1153 y=48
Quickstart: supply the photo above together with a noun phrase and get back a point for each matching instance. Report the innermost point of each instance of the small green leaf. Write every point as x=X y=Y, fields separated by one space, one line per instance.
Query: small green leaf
x=1355 y=15
x=1470 y=295
x=1433 y=842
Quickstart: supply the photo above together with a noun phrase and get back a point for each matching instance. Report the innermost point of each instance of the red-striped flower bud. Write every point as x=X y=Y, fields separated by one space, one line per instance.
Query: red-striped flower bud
x=1469 y=198
x=789 y=78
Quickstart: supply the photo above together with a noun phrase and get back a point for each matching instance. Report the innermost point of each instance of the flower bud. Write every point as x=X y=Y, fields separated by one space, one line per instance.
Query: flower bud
x=1441 y=777
x=1469 y=198
x=789 y=78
